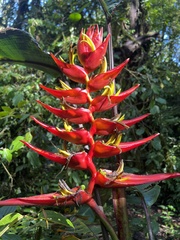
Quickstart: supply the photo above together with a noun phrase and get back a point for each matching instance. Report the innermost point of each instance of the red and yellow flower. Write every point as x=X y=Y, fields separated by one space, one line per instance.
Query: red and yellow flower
x=86 y=128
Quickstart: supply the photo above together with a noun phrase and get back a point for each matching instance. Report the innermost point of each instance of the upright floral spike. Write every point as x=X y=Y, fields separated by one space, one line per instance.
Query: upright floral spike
x=91 y=50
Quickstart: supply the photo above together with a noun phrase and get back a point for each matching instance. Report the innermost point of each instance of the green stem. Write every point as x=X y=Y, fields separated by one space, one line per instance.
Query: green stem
x=120 y=209
x=98 y=200
x=151 y=236
x=92 y=203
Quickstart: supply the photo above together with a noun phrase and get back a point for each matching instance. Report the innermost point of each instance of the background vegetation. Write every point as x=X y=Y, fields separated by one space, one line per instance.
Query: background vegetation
x=146 y=31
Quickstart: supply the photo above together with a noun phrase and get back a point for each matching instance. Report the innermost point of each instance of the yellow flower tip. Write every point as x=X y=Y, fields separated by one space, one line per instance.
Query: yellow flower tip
x=122 y=179
x=72 y=55
x=87 y=79
x=103 y=67
x=67 y=127
x=118 y=92
x=63 y=107
x=58 y=88
x=64 y=85
x=121 y=118
x=118 y=140
x=61 y=59
x=112 y=87
x=115 y=139
x=101 y=171
x=120 y=169
x=113 y=175
x=64 y=188
x=111 y=139
x=106 y=91
x=64 y=153
x=109 y=90
x=88 y=41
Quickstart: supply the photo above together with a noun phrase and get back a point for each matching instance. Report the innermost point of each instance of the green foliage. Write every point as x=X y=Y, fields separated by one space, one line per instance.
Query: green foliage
x=46 y=223
x=166 y=215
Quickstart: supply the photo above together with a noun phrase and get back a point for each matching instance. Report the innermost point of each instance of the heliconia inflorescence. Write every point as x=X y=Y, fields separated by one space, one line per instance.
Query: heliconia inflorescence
x=101 y=136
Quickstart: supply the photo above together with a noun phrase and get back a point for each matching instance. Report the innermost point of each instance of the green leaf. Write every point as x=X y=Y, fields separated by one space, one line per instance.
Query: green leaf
x=161 y=100
x=156 y=143
x=154 y=109
x=9 y=220
x=86 y=211
x=7 y=209
x=34 y=159
x=140 y=131
x=11 y=236
x=69 y=223
x=7 y=111
x=152 y=195
x=155 y=226
x=17 y=98
x=28 y=137
x=149 y=193
x=18 y=47
x=16 y=144
x=155 y=88
x=56 y=218
x=6 y=154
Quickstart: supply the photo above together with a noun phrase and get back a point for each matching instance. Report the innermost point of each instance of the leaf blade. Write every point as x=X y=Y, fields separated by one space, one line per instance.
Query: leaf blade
x=18 y=47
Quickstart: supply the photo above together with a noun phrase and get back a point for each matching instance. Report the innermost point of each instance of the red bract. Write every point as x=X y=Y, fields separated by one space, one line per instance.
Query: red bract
x=103 y=103
x=104 y=79
x=103 y=150
x=128 y=180
x=79 y=136
x=95 y=35
x=106 y=126
x=75 y=96
x=74 y=115
x=91 y=50
x=75 y=196
x=72 y=71
x=43 y=199
x=75 y=160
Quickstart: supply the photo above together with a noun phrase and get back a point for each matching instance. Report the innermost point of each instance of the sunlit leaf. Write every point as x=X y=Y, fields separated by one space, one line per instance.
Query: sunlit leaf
x=28 y=137
x=18 y=47
x=8 y=221
x=16 y=144
x=6 y=154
